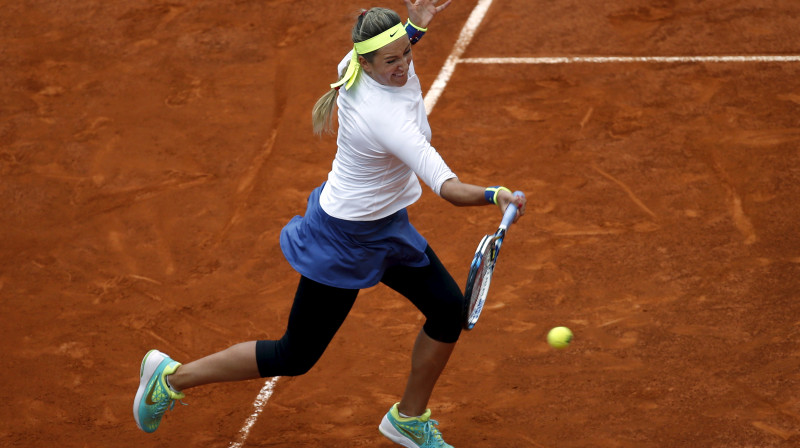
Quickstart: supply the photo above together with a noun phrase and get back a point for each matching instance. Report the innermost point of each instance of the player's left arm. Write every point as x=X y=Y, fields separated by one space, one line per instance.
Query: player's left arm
x=421 y=12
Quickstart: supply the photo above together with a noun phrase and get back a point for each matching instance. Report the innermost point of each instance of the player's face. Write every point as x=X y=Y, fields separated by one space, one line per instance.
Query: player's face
x=390 y=64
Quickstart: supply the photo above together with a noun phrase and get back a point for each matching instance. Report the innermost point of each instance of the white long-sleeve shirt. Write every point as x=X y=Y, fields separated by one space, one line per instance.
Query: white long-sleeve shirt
x=383 y=145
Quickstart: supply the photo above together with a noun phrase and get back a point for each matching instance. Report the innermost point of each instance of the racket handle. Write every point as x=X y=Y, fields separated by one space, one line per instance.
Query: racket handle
x=511 y=212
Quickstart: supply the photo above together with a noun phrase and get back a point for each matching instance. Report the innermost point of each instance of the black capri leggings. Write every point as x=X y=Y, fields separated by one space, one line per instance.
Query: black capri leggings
x=319 y=310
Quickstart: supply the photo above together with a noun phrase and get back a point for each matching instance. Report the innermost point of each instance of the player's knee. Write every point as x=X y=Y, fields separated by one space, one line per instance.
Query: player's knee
x=445 y=325
x=279 y=358
x=297 y=367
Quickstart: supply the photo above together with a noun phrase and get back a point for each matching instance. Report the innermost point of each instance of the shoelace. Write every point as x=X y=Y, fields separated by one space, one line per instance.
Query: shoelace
x=430 y=427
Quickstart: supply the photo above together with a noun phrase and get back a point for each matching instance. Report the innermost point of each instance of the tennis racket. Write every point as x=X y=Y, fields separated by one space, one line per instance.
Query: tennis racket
x=482 y=268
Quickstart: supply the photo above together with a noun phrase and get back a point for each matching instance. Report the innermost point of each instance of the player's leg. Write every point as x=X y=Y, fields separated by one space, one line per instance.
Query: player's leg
x=235 y=363
x=317 y=313
x=434 y=292
x=428 y=360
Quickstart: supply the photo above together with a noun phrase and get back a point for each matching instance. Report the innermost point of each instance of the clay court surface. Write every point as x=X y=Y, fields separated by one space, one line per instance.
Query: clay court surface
x=151 y=152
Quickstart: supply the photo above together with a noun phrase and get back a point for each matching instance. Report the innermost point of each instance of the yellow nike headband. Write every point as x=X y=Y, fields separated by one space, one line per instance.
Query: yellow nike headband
x=368 y=46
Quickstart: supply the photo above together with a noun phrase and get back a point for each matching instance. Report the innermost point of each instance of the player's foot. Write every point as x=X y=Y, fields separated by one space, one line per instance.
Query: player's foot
x=154 y=396
x=412 y=432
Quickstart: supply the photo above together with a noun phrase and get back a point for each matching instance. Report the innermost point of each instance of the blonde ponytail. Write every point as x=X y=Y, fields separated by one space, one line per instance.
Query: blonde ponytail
x=322 y=114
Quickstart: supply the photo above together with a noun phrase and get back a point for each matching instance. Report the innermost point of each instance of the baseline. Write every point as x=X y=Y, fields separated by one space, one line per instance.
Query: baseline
x=630 y=59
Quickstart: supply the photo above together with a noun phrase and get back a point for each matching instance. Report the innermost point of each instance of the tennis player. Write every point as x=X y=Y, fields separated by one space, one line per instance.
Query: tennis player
x=356 y=233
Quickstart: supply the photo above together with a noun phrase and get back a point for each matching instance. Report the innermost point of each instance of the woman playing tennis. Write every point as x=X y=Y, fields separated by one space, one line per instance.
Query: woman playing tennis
x=356 y=233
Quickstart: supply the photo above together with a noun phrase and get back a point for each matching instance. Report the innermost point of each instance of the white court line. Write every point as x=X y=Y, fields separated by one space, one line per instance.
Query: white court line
x=476 y=17
x=261 y=400
x=627 y=59
x=449 y=66
x=469 y=30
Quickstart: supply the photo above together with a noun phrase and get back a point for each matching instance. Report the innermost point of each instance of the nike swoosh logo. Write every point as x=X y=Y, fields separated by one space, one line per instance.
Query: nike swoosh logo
x=392 y=35
x=419 y=440
x=148 y=400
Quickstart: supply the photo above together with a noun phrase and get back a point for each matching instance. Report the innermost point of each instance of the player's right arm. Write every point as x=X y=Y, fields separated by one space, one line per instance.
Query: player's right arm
x=461 y=194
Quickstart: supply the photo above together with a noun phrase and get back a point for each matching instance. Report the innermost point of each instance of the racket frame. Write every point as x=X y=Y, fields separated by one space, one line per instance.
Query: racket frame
x=483 y=263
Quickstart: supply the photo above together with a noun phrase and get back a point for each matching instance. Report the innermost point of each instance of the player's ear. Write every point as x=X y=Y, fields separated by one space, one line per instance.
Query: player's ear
x=365 y=65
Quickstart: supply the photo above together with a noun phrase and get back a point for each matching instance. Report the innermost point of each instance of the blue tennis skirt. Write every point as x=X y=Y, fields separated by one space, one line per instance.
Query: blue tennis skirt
x=350 y=254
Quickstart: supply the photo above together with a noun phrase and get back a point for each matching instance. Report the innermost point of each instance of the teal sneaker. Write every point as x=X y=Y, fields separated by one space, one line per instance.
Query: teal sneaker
x=154 y=397
x=412 y=432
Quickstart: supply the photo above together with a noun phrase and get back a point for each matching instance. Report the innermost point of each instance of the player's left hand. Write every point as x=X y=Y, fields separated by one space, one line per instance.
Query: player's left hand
x=421 y=12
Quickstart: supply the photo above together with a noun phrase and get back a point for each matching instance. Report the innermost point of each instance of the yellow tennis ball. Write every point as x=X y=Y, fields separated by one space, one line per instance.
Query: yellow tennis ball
x=559 y=337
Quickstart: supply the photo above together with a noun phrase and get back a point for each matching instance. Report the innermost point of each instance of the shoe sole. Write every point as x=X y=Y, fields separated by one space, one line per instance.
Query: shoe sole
x=148 y=367
x=388 y=430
